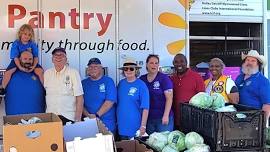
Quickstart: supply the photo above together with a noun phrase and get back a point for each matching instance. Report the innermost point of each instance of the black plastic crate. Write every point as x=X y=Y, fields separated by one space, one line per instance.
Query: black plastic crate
x=224 y=131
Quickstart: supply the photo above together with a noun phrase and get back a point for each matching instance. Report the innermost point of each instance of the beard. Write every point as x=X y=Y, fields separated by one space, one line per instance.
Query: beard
x=249 y=70
x=26 y=65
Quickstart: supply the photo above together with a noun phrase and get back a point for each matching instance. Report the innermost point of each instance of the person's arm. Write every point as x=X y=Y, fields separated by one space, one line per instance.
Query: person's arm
x=35 y=62
x=144 y=121
x=17 y=62
x=168 y=105
x=79 y=108
x=87 y=114
x=233 y=97
x=110 y=99
x=266 y=109
x=200 y=86
x=105 y=107
x=78 y=93
x=232 y=91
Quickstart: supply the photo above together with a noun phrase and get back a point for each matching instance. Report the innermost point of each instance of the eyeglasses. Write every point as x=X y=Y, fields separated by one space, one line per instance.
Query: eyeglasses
x=129 y=68
x=93 y=67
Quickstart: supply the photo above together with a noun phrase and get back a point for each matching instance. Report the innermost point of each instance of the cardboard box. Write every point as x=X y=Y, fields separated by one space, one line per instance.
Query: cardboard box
x=50 y=129
x=131 y=146
x=89 y=134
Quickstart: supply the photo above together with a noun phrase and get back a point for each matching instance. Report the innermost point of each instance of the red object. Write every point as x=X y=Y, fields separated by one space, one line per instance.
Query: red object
x=184 y=87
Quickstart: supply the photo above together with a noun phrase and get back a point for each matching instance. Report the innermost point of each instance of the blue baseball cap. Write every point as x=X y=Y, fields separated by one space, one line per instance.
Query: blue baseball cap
x=94 y=61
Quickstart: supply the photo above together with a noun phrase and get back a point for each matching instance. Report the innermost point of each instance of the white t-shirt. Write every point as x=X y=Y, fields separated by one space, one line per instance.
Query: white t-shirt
x=61 y=91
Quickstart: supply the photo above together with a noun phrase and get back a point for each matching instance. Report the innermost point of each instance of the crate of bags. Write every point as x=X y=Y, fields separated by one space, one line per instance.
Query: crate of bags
x=240 y=130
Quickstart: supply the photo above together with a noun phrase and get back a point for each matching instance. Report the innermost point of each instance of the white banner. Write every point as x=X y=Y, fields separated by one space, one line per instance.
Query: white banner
x=111 y=30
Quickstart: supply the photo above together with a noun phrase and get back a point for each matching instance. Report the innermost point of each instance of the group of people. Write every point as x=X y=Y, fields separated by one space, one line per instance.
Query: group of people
x=146 y=104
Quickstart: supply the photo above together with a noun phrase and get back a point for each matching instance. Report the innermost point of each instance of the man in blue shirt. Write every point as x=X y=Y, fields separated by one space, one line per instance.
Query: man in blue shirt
x=99 y=95
x=25 y=93
x=254 y=88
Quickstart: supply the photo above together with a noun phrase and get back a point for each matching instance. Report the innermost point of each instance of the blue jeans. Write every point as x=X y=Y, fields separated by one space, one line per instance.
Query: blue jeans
x=155 y=125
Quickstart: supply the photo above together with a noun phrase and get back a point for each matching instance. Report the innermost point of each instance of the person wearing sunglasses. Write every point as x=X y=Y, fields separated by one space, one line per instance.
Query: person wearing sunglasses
x=161 y=95
x=99 y=95
x=133 y=102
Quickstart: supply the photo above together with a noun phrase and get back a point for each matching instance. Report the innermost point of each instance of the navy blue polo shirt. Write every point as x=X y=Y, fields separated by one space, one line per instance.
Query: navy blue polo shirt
x=254 y=91
x=25 y=94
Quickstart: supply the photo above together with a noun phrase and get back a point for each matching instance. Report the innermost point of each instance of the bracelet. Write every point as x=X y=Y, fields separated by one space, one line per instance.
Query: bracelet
x=143 y=127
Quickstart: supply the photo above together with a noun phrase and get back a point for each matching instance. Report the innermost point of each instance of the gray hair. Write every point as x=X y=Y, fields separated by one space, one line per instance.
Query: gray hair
x=219 y=61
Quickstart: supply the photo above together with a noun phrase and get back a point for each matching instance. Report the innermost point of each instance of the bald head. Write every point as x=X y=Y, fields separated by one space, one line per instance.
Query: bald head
x=180 y=63
x=26 y=59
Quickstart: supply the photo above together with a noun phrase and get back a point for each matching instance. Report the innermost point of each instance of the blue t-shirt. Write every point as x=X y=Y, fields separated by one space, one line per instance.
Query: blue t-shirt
x=157 y=97
x=95 y=94
x=25 y=94
x=254 y=91
x=133 y=97
x=18 y=47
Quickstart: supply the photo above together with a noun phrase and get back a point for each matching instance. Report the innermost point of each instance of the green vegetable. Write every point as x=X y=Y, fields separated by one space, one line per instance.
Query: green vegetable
x=218 y=101
x=202 y=100
x=199 y=148
x=168 y=148
x=176 y=140
x=158 y=140
x=193 y=138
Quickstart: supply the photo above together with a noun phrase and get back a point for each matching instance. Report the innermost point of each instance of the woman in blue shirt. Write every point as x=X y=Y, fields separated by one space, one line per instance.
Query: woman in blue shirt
x=133 y=102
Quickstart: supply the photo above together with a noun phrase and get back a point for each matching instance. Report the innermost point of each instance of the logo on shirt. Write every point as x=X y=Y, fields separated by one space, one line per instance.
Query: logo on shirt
x=219 y=87
x=67 y=80
x=102 y=87
x=34 y=77
x=248 y=83
x=156 y=85
x=132 y=91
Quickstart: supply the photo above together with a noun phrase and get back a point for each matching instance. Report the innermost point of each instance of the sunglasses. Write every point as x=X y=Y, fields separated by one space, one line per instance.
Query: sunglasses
x=129 y=68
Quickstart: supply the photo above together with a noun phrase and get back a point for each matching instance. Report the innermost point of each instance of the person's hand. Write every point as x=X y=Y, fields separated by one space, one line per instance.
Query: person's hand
x=92 y=116
x=142 y=130
x=165 y=120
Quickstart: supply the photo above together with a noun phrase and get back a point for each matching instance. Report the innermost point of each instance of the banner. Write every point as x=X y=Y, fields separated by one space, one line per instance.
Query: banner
x=111 y=30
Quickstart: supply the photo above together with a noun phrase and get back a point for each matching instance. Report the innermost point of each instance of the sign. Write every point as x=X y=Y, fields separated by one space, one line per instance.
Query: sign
x=111 y=30
x=253 y=8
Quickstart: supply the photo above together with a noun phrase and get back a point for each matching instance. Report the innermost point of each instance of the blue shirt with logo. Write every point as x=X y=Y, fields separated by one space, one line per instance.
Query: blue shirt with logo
x=96 y=92
x=133 y=97
x=254 y=91
x=25 y=94
x=18 y=47
x=156 y=88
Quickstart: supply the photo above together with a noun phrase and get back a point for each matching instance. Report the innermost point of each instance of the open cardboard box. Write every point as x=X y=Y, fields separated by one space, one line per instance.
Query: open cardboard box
x=131 y=146
x=87 y=136
x=50 y=129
